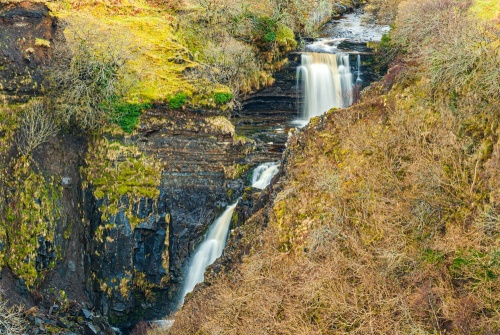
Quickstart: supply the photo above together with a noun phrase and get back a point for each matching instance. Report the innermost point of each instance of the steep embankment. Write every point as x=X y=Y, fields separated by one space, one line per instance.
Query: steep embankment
x=386 y=220
x=122 y=157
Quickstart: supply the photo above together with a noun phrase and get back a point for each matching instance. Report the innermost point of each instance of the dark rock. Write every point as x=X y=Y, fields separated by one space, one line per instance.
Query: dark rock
x=193 y=191
x=21 y=59
x=282 y=96
x=62 y=324
x=89 y=329
x=71 y=266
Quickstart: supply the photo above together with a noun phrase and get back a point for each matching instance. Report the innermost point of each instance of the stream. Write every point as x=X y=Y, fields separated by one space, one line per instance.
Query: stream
x=268 y=115
x=326 y=74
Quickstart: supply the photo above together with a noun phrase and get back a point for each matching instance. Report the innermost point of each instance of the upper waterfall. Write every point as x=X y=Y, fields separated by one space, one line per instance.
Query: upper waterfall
x=326 y=82
x=209 y=250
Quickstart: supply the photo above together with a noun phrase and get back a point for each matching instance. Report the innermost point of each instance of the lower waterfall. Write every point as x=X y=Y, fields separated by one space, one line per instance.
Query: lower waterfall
x=263 y=174
x=326 y=82
x=209 y=250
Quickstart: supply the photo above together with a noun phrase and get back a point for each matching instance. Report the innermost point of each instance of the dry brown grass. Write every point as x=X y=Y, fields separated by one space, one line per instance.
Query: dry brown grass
x=388 y=223
x=377 y=233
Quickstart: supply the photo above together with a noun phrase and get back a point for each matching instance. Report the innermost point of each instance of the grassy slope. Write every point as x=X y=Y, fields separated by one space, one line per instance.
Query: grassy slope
x=487 y=9
x=145 y=33
x=388 y=223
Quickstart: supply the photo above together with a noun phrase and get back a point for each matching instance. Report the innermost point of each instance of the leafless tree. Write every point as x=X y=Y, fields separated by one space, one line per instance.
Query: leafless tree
x=37 y=127
x=87 y=79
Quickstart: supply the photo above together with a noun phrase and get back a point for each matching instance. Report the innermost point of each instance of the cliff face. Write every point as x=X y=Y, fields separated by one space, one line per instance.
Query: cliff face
x=120 y=214
x=140 y=242
x=26 y=33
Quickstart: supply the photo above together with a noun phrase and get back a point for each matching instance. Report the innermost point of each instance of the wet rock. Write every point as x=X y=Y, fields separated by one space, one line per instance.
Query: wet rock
x=62 y=324
x=154 y=249
x=87 y=314
x=90 y=329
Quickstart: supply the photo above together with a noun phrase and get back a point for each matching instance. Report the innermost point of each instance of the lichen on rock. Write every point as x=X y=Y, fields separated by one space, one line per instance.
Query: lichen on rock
x=27 y=228
x=114 y=170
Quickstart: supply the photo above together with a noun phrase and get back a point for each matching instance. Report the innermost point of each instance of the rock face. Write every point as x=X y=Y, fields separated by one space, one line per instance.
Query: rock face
x=281 y=97
x=27 y=32
x=131 y=209
x=137 y=255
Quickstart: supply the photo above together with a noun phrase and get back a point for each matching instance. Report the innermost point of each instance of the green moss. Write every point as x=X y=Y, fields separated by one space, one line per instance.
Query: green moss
x=116 y=170
x=235 y=171
x=265 y=29
x=33 y=212
x=285 y=37
x=432 y=256
x=222 y=98
x=476 y=266
x=40 y=42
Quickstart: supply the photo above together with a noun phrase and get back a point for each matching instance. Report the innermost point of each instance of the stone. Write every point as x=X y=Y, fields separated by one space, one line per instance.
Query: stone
x=90 y=329
x=87 y=314
x=62 y=324
x=119 y=307
x=71 y=266
x=21 y=59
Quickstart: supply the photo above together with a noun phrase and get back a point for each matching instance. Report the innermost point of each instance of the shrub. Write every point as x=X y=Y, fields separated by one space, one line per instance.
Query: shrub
x=232 y=63
x=264 y=29
x=383 y=11
x=11 y=319
x=455 y=51
x=177 y=100
x=221 y=98
x=36 y=127
x=87 y=80
x=127 y=115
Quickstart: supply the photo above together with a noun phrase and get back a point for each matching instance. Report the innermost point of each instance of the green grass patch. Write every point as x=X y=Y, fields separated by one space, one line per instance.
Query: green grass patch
x=176 y=101
x=222 y=98
x=127 y=115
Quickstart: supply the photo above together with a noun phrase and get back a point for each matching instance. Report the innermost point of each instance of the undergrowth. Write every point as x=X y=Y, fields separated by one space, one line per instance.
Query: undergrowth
x=388 y=221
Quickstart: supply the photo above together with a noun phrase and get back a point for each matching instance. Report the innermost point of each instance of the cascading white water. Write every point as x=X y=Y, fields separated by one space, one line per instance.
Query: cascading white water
x=358 y=78
x=326 y=82
x=209 y=250
x=263 y=174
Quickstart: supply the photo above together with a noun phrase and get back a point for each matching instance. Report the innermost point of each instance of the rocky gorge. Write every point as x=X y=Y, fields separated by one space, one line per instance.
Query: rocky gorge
x=130 y=209
x=98 y=227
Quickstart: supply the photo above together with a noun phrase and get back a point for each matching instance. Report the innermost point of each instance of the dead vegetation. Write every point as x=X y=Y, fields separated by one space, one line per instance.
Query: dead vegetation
x=37 y=126
x=11 y=319
x=389 y=218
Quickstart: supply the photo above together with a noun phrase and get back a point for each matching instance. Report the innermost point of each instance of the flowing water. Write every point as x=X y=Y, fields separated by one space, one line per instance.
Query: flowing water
x=209 y=250
x=359 y=81
x=263 y=174
x=325 y=81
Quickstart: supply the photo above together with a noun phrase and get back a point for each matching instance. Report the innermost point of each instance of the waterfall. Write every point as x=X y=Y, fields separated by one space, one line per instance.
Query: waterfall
x=326 y=82
x=358 y=69
x=263 y=174
x=209 y=250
